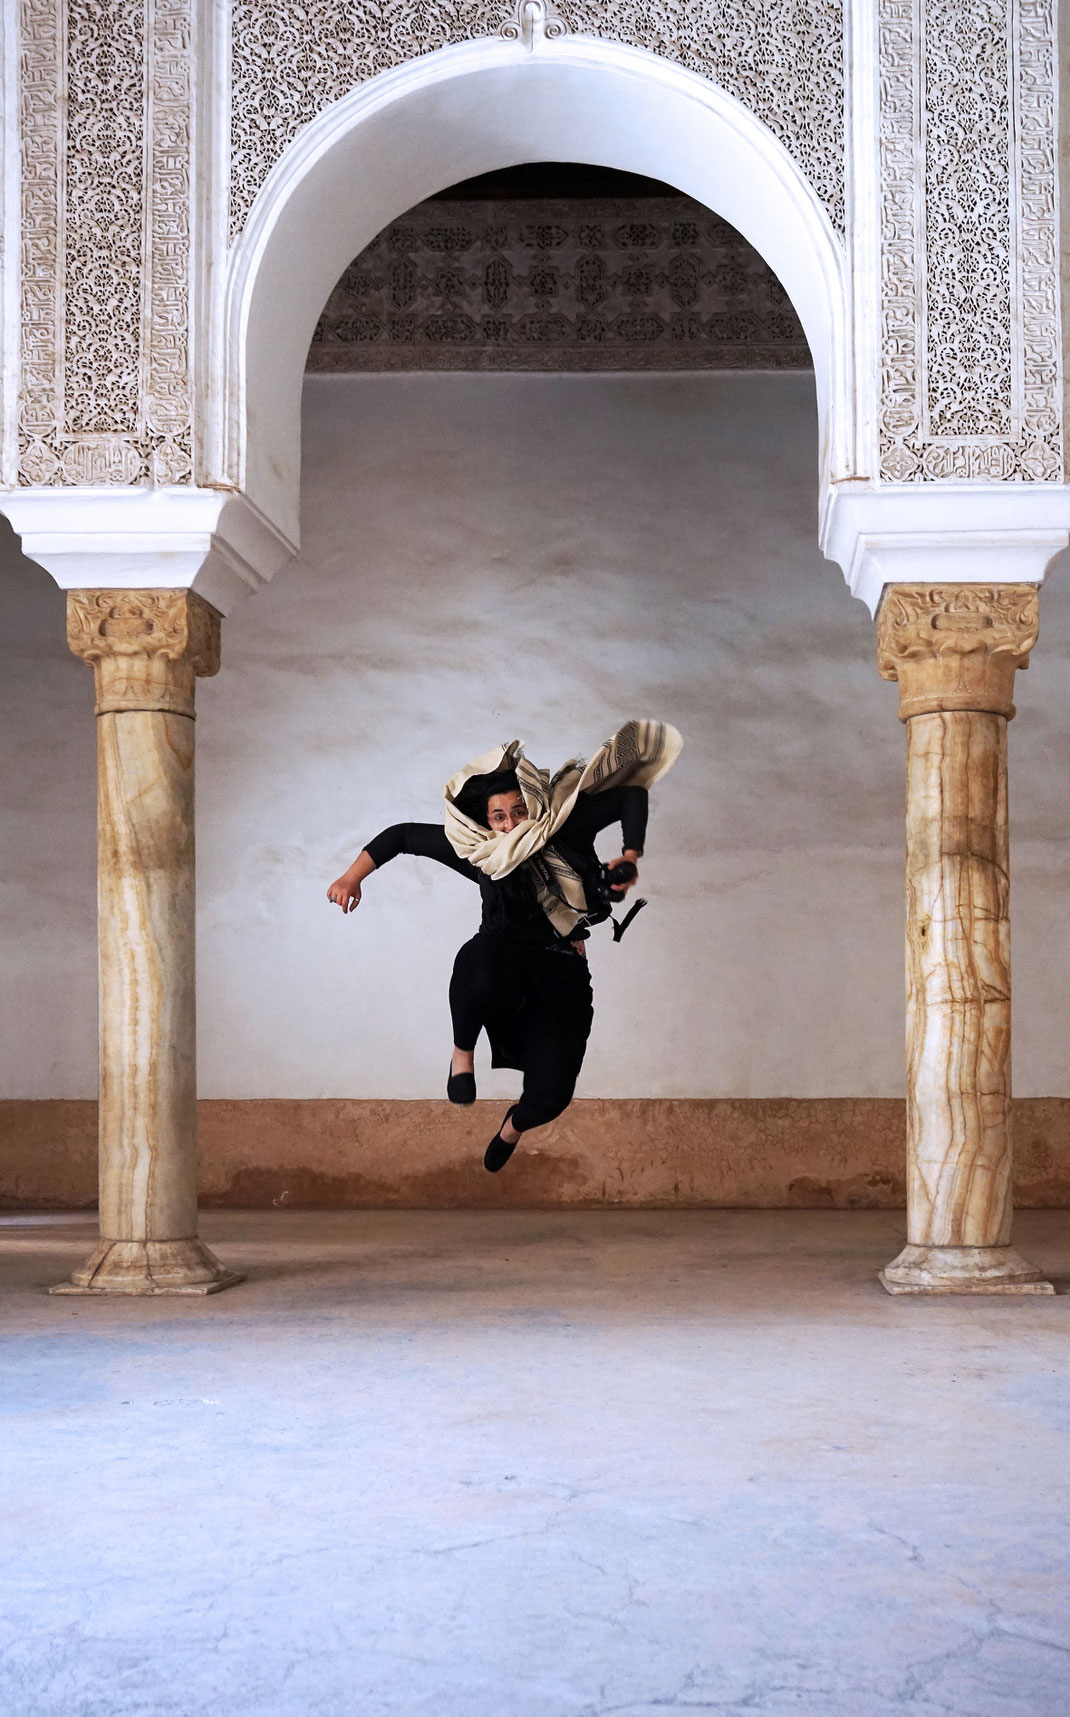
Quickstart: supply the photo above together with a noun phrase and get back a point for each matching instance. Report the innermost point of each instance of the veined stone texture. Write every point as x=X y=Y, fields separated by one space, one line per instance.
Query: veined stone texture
x=783 y=59
x=969 y=253
x=630 y=283
x=958 y=980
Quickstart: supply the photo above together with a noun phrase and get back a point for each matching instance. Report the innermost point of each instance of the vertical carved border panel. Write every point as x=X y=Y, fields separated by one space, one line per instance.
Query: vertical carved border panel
x=167 y=379
x=42 y=102
x=971 y=362
x=104 y=182
x=1038 y=238
x=106 y=91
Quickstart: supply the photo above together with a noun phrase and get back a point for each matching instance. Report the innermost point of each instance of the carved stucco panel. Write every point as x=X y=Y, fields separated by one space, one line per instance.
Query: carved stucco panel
x=106 y=98
x=969 y=259
x=41 y=137
x=104 y=170
x=971 y=372
x=783 y=59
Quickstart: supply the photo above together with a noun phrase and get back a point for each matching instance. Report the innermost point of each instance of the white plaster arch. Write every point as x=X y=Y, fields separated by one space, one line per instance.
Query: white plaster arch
x=470 y=109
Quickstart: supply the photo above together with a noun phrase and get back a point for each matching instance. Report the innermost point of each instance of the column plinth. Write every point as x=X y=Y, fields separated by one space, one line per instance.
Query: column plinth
x=954 y=650
x=963 y=1270
x=146 y=648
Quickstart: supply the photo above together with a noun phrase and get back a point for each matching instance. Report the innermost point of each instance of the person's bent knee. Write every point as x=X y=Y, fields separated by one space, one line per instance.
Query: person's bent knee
x=539 y=1108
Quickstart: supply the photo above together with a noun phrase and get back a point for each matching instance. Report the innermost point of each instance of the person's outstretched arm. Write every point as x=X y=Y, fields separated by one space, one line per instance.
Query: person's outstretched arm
x=346 y=891
x=425 y=840
x=596 y=811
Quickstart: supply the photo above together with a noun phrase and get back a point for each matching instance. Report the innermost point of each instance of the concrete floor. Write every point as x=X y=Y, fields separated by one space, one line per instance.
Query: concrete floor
x=469 y=1464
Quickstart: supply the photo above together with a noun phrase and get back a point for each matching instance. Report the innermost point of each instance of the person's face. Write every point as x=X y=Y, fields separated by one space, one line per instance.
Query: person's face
x=505 y=811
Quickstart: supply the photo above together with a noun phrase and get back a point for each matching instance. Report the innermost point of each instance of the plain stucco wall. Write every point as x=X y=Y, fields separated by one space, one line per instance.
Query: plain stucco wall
x=489 y=557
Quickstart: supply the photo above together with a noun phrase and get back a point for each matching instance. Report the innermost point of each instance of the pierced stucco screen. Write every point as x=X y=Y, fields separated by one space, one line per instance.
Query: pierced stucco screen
x=568 y=283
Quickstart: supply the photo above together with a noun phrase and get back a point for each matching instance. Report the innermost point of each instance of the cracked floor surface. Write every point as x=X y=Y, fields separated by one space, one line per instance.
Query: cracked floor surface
x=534 y=1464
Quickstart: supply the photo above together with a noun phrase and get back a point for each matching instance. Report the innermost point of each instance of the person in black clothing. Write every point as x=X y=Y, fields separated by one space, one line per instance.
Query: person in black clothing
x=518 y=979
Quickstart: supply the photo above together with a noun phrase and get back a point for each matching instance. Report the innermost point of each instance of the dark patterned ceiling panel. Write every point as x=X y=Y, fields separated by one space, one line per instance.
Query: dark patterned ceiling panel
x=608 y=283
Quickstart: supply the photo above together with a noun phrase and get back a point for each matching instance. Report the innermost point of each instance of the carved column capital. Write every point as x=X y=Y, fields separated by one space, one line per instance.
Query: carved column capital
x=145 y=646
x=955 y=646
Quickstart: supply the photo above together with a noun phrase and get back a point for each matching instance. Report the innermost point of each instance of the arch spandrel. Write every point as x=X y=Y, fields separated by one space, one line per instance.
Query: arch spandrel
x=465 y=111
x=783 y=60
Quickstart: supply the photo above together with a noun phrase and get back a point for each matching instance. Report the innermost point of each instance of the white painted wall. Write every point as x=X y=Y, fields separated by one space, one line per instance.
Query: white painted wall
x=488 y=557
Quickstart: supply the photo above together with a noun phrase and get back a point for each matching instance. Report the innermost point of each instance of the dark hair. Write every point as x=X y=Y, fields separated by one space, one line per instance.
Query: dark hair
x=479 y=790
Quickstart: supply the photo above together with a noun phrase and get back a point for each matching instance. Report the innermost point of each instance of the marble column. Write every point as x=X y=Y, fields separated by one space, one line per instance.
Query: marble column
x=146 y=647
x=954 y=650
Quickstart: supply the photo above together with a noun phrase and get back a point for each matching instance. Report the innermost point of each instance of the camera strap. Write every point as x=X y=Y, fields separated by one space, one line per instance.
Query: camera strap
x=621 y=927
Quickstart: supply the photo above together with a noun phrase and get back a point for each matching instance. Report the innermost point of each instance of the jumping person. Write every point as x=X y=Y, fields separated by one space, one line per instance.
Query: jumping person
x=528 y=841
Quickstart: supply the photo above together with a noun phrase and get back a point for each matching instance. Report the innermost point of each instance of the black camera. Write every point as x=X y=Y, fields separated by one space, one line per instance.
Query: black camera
x=600 y=885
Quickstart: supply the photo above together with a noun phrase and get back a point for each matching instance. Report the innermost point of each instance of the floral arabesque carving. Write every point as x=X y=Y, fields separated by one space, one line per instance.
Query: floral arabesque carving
x=969 y=259
x=783 y=59
x=971 y=343
x=104 y=173
x=42 y=288
x=106 y=98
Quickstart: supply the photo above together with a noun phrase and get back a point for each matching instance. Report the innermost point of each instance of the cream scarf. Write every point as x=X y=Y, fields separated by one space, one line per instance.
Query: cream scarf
x=636 y=756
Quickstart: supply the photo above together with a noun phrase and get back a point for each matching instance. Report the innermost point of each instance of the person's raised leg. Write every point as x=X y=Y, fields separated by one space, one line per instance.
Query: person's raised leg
x=551 y=1069
x=473 y=990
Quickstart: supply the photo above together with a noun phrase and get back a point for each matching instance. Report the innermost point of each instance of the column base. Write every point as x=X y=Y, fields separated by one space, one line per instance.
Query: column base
x=150 y=1267
x=963 y=1270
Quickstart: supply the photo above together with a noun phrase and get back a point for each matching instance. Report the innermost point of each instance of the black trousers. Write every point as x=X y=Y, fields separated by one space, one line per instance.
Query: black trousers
x=535 y=1006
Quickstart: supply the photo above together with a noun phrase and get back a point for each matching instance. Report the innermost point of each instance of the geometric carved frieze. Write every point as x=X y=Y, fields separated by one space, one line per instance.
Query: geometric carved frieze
x=783 y=59
x=955 y=646
x=543 y=283
x=145 y=646
x=106 y=128
x=969 y=243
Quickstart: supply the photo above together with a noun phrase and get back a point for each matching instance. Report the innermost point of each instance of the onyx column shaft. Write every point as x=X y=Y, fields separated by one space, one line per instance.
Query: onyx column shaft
x=146 y=918
x=958 y=981
x=954 y=650
x=146 y=648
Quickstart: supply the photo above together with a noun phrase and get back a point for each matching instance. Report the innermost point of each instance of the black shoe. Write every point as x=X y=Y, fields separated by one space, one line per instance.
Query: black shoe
x=461 y=1087
x=497 y=1153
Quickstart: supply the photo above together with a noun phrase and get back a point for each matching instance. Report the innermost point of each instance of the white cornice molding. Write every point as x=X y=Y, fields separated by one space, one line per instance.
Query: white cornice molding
x=971 y=534
x=218 y=543
x=208 y=540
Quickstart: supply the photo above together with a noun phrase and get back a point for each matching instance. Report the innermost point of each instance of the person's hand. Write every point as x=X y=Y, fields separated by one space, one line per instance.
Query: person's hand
x=345 y=893
x=620 y=889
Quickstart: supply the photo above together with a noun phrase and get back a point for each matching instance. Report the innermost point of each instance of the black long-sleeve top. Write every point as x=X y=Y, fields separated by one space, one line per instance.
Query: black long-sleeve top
x=510 y=908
